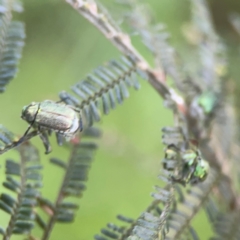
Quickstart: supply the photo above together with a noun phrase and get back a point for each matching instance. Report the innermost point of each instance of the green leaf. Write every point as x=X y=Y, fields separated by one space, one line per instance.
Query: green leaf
x=108 y=85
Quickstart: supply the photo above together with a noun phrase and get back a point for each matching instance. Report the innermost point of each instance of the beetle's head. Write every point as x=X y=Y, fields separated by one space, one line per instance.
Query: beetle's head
x=29 y=112
x=202 y=170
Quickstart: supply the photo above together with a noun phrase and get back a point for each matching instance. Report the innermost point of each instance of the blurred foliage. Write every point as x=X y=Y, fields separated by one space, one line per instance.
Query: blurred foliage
x=61 y=48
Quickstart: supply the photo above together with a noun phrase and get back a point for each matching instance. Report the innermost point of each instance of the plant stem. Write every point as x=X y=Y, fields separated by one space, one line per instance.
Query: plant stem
x=91 y=11
x=60 y=197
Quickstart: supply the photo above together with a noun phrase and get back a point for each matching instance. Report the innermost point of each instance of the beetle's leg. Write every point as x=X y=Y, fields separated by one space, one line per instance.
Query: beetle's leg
x=178 y=180
x=80 y=123
x=44 y=137
x=59 y=139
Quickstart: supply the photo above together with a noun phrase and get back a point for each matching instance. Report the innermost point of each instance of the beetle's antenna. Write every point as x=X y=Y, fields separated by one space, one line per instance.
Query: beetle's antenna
x=45 y=141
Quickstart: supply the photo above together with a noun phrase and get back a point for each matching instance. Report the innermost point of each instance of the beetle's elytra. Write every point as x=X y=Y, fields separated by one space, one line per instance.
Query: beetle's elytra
x=49 y=115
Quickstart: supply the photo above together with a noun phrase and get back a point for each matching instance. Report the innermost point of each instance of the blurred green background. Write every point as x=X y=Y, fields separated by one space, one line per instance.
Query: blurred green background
x=61 y=48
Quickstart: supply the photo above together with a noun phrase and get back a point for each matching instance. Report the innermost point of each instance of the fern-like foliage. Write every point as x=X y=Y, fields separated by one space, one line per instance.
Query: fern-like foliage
x=189 y=207
x=210 y=69
x=164 y=216
x=178 y=208
x=153 y=224
x=155 y=37
x=235 y=21
x=225 y=225
x=144 y=227
x=73 y=184
x=169 y=216
x=211 y=50
x=202 y=101
x=106 y=87
x=113 y=231
x=7 y=138
x=23 y=178
x=157 y=222
x=12 y=36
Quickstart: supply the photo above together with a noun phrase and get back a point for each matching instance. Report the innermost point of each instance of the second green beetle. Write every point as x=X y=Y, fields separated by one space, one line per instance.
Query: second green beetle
x=193 y=168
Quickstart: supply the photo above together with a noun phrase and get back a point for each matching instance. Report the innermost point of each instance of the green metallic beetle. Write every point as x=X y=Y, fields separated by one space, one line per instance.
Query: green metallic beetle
x=49 y=116
x=194 y=168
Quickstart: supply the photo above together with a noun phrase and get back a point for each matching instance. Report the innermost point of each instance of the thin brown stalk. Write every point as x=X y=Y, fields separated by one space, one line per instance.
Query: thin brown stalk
x=91 y=11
